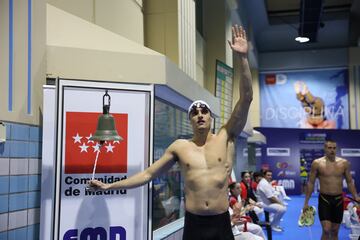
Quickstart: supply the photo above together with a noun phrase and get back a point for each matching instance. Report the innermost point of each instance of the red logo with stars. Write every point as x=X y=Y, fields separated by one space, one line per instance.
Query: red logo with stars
x=80 y=151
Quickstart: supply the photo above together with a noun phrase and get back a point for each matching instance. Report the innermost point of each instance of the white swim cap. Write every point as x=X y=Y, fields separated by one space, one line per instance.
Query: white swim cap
x=196 y=104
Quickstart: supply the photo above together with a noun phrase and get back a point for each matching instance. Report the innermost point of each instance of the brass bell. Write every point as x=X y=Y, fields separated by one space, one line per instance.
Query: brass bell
x=106 y=130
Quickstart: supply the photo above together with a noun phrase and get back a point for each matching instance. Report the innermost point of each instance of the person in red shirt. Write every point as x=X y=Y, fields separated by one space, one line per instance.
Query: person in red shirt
x=253 y=182
x=244 y=188
x=235 y=191
x=248 y=195
x=247 y=192
x=240 y=211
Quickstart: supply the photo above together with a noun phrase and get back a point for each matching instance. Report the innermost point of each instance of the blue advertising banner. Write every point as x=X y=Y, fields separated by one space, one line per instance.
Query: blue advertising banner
x=305 y=99
x=290 y=152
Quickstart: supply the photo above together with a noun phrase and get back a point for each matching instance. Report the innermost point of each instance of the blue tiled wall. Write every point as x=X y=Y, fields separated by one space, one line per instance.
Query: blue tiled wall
x=4 y=203
x=20 y=179
x=4 y=184
x=3 y=235
x=18 y=201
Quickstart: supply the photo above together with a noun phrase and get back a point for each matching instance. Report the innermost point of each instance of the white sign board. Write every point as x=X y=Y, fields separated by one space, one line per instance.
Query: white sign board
x=80 y=214
x=278 y=151
x=350 y=152
x=48 y=160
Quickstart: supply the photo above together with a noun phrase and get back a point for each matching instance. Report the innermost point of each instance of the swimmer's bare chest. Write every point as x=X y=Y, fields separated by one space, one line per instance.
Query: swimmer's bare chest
x=205 y=170
x=330 y=175
x=328 y=169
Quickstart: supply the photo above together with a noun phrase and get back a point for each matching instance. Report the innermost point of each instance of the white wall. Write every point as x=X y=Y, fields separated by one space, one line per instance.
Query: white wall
x=81 y=8
x=161 y=27
x=123 y=17
x=23 y=58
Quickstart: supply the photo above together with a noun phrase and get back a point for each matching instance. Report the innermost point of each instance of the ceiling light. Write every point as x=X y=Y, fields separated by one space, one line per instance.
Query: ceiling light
x=302 y=39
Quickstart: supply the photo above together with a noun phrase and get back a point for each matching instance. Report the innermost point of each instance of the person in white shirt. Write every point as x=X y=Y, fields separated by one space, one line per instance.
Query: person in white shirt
x=280 y=190
x=272 y=204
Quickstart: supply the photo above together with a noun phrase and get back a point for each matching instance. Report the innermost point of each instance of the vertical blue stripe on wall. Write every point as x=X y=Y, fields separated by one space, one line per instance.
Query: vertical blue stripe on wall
x=11 y=57
x=29 y=56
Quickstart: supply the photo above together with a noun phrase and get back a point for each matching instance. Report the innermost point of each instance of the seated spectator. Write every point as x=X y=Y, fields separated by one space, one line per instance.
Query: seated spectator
x=234 y=193
x=271 y=203
x=236 y=221
x=246 y=191
x=253 y=183
x=351 y=212
x=248 y=195
x=238 y=212
x=281 y=190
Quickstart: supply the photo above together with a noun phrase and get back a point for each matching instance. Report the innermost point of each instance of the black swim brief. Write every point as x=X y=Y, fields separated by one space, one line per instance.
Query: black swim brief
x=213 y=227
x=331 y=208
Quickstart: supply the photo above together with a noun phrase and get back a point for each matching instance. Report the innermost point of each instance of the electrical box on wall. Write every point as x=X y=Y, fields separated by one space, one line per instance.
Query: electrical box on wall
x=2 y=132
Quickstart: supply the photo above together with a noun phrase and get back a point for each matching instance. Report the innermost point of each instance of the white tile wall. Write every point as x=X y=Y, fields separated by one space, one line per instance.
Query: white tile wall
x=34 y=166
x=33 y=216
x=4 y=169
x=17 y=219
x=19 y=166
x=3 y=222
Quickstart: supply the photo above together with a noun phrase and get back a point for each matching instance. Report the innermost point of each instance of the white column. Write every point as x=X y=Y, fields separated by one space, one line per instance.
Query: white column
x=187 y=34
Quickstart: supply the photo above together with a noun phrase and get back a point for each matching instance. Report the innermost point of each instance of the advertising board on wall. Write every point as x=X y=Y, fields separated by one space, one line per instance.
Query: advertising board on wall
x=305 y=99
x=81 y=213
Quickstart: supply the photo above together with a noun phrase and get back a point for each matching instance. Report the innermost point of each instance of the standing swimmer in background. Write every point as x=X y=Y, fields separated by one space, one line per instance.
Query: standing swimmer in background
x=330 y=171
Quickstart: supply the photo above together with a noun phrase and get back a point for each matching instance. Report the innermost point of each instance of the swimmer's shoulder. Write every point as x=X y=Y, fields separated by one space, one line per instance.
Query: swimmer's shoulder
x=318 y=162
